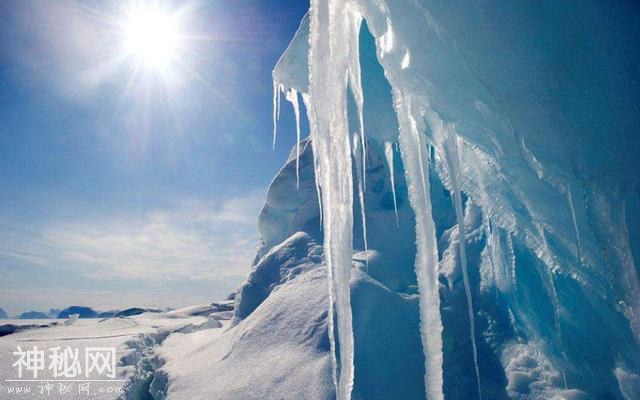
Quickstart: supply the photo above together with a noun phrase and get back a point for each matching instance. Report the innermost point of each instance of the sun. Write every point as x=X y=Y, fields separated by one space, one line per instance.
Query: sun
x=151 y=35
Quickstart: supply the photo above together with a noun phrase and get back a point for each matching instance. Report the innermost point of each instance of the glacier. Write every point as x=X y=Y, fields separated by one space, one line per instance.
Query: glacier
x=525 y=116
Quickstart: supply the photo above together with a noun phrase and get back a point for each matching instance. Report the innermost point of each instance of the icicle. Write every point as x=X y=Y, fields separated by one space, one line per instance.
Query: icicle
x=421 y=159
x=317 y=181
x=275 y=112
x=277 y=88
x=452 y=161
x=411 y=149
x=360 y=177
x=388 y=152
x=364 y=154
x=316 y=165
x=280 y=88
x=292 y=97
x=329 y=63
x=467 y=286
x=355 y=79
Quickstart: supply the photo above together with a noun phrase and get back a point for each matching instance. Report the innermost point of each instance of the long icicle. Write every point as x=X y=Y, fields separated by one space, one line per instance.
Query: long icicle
x=423 y=154
x=292 y=97
x=357 y=150
x=360 y=149
x=280 y=88
x=329 y=59
x=275 y=112
x=363 y=141
x=453 y=162
x=355 y=84
x=388 y=152
x=411 y=149
x=316 y=165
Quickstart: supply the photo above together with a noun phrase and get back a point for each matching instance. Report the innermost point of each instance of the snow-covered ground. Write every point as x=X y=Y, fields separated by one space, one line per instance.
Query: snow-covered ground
x=133 y=340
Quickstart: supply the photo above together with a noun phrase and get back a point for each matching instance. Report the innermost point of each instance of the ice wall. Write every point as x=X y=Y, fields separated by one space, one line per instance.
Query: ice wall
x=530 y=110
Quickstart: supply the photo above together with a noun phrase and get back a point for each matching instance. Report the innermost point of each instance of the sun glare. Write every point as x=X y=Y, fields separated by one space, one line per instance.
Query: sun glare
x=151 y=36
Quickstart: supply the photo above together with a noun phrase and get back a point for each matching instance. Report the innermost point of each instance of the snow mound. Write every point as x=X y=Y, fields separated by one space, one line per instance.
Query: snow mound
x=278 y=344
x=279 y=350
x=282 y=263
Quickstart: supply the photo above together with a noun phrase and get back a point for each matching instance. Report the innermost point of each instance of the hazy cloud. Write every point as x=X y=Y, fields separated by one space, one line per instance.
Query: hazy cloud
x=190 y=241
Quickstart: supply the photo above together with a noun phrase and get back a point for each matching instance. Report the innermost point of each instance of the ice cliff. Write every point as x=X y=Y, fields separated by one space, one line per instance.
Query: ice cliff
x=463 y=221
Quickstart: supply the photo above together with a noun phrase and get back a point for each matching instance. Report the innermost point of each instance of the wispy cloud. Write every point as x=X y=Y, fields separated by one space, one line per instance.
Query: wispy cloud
x=71 y=58
x=192 y=241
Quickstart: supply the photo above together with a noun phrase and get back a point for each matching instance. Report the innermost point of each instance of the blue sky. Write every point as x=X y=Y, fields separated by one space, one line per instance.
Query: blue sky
x=120 y=188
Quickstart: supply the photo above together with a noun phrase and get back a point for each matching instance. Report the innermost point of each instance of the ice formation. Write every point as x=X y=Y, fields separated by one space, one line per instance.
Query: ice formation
x=524 y=114
x=388 y=153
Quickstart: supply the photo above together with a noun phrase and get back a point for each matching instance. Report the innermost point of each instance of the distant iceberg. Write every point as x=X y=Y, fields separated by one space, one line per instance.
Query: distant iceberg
x=83 y=312
x=33 y=315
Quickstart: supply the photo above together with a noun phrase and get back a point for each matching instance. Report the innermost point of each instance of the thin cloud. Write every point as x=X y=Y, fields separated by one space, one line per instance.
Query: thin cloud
x=190 y=242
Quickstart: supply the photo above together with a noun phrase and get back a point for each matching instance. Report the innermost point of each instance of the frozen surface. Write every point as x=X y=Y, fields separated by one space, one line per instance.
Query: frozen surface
x=133 y=338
